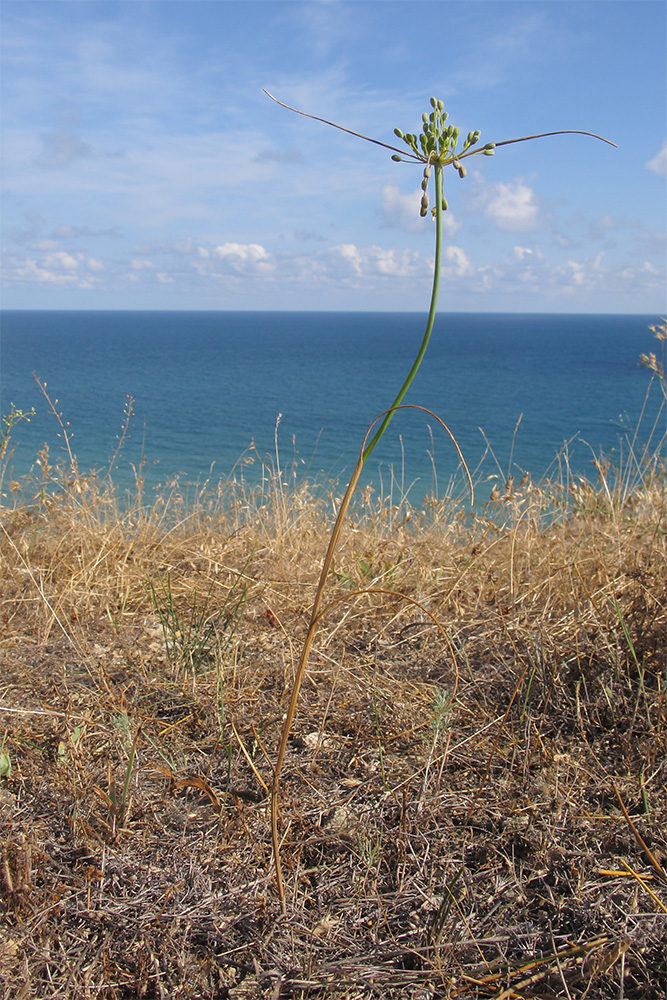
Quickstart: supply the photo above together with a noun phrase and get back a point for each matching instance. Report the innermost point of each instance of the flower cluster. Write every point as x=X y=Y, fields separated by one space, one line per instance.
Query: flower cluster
x=436 y=145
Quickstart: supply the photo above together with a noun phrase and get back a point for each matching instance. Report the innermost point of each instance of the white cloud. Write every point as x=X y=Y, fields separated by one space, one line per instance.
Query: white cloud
x=401 y=210
x=349 y=253
x=659 y=162
x=244 y=257
x=457 y=264
x=60 y=259
x=232 y=260
x=245 y=251
x=396 y=263
x=378 y=274
x=370 y=262
x=577 y=273
x=512 y=207
x=57 y=268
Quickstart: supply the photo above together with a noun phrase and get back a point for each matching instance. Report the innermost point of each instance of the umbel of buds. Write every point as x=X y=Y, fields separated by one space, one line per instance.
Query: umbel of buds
x=436 y=145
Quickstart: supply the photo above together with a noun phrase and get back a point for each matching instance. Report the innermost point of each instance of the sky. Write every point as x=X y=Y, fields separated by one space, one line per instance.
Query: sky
x=144 y=168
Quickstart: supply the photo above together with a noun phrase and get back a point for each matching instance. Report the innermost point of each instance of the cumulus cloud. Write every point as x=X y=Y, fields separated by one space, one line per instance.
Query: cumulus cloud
x=400 y=210
x=659 y=162
x=512 y=207
x=52 y=268
x=456 y=263
x=376 y=271
x=350 y=255
x=233 y=260
x=244 y=257
x=527 y=271
x=61 y=259
x=349 y=260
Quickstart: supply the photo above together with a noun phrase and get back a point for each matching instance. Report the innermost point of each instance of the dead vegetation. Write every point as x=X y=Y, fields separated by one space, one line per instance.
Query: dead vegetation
x=473 y=811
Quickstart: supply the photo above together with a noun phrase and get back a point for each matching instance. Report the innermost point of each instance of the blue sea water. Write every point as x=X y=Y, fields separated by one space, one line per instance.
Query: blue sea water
x=208 y=385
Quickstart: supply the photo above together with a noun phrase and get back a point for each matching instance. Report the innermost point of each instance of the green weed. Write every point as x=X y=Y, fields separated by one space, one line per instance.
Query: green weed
x=5 y=760
x=197 y=635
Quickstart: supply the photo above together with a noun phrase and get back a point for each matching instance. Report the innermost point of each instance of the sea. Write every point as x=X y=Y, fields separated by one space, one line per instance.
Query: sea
x=218 y=396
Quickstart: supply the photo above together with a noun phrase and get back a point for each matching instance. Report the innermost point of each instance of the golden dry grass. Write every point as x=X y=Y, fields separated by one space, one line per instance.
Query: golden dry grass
x=477 y=811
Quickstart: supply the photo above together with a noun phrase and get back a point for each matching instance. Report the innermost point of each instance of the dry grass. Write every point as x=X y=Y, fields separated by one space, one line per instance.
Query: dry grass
x=474 y=812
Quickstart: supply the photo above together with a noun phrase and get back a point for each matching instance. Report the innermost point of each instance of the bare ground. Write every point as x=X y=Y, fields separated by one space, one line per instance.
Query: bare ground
x=472 y=810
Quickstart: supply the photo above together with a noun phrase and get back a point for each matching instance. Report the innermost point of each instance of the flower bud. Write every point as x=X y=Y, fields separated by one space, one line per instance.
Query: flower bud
x=456 y=164
x=397 y=158
x=424 y=205
x=488 y=152
x=425 y=184
x=398 y=133
x=462 y=171
x=424 y=117
x=441 y=106
x=490 y=145
x=434 y=103
x=444 y=204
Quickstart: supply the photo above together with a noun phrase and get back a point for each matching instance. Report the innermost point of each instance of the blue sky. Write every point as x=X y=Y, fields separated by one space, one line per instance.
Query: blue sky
x=144 y=168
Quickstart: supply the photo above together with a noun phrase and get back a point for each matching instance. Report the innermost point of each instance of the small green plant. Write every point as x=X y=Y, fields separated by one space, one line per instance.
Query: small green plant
x=378 y=735
x=195 y=637
x=5 y=760
x=440 y=721
x=8 y=423
x=118 y=804
x=71 y=742
x=639 y=666
x=369 y=573
x=435 y=149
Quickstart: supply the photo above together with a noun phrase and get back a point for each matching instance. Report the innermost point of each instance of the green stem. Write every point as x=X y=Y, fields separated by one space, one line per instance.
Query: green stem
x=328 y=559
x=429 y=323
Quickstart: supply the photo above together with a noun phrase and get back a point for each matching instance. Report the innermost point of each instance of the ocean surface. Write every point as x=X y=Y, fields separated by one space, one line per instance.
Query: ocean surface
x=212 y=391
